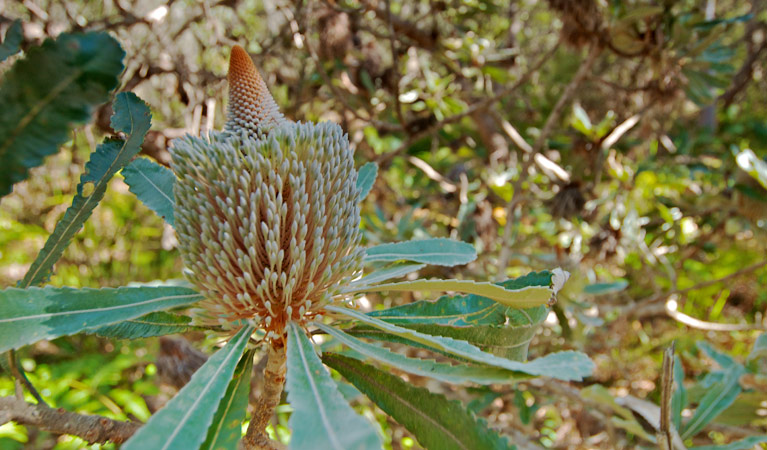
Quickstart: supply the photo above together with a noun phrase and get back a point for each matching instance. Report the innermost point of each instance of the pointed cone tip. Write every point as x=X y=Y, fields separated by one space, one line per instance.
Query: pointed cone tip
x=240 y=65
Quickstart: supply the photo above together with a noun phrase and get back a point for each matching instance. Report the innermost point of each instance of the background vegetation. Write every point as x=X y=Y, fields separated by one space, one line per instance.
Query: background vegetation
x=602 y=137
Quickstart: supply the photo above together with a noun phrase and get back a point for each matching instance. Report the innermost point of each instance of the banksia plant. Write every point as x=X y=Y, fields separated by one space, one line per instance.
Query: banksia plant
x=268 y=222
x=268 y=216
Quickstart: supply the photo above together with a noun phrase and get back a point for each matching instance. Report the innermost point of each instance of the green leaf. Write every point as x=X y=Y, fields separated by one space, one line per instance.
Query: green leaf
x=159 y=323
x=54 y=87
x=527 y=297
x=387 y=273
x=425 y=367
x=34 y=314
x=226 y=430
x=184 y=422
x=468 y=310
x=435 y=421
x=563 y=365
x=131 y=116
x=12 y=42
x=321 y=417
x=724 y=360
x=365 y=179
x=442 y=252
x=679 y=397
x=743 y=444
x=454 y=310
x=505 y=341
x=153 y=185
x=717 y=398
x=760 y=348
x=605 y=288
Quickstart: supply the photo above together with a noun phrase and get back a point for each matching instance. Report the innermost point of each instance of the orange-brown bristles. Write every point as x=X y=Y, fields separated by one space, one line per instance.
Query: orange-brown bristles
x=251 y=107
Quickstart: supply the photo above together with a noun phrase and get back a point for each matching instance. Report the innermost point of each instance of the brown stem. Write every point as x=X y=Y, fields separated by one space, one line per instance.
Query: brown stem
x=274 y=380
x=93 y=429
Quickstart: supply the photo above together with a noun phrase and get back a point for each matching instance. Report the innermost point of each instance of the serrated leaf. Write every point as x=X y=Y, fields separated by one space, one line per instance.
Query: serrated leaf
x=34 y=314
x=605 y=288
x=159 y=323
x=12 y=42
x=527 y=297
x=366 y=176
x=425 y=367
x=226 y=430
x=132 y=117
x=454 y=310
x=153 y=185
x=468 y=310
x=321 y=417
x=718 y=397
x=387 y=273
x=440 y=251
x=435 y=421
x=184 y=421
x=563 y=365
x=743 y=444
x=505 y=341
x=54 y=87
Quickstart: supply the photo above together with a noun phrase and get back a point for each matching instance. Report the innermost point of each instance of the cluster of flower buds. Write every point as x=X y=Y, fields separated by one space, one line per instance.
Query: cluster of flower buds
x=267 y=211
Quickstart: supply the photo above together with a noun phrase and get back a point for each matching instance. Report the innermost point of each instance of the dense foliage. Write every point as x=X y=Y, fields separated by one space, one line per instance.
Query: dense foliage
x=625 y=142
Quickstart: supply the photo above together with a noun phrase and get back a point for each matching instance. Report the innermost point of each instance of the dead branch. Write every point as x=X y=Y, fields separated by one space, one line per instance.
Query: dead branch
x=93 y=429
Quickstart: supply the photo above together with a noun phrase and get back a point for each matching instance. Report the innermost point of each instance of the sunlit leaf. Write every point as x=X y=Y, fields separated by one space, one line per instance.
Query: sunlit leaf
x=131 y=116
x=321 y=416
x=527 y=297
x=153 y=185
x=34 y=314
x=435 y=421
x=54 y=87
x=442 y=252
x=186 y=418
x=563 y=365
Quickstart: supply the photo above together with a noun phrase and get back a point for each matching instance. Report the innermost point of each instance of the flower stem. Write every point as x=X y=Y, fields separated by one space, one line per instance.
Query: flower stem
x=274 y=380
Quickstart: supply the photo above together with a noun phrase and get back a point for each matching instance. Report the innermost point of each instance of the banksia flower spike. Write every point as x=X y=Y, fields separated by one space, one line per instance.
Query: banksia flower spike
x=267 y=212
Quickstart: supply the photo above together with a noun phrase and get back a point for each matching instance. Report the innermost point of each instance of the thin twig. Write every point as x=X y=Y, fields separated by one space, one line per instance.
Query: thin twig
x=93 y=429
x=646 y=303
x=395 y=64
x=564 y=99
x=480 y=105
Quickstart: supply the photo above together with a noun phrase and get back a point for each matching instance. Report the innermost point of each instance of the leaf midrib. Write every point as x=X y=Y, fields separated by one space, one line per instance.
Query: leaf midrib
x=92 y=310
x=310 y=377
x=31 y=276
x=406 y=404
